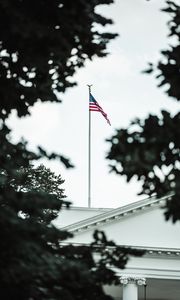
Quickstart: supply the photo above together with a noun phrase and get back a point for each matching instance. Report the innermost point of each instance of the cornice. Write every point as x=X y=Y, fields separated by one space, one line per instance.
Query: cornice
x=156 y=251
x=116 y=214
x=149 y=251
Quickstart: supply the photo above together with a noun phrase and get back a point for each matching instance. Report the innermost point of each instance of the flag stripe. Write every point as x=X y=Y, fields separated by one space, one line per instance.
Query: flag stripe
x=94 y=106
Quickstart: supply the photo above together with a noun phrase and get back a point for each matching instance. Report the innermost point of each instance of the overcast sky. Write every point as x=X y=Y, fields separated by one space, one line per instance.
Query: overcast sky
x=123 y=92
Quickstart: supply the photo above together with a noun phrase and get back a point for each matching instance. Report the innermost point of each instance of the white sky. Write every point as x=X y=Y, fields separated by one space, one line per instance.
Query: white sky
x=122 y=91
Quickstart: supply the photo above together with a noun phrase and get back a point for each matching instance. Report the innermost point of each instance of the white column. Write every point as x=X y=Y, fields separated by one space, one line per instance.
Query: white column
x=130 y=286
x=130 y=291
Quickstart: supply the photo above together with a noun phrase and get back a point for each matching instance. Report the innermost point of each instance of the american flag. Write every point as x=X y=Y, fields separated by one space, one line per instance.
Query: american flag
x=94 y=106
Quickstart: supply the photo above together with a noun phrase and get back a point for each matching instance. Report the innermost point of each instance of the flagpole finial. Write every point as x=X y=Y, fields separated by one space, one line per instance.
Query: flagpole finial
x=89 y=86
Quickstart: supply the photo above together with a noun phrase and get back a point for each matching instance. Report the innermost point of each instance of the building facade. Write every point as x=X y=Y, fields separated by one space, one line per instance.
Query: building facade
x=140 y=225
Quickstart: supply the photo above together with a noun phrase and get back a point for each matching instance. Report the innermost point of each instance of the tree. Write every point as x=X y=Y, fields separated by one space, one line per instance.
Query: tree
x=42 y=44
x=39 y=179
x=42 y=180
x=150 y=149
x=34 y=263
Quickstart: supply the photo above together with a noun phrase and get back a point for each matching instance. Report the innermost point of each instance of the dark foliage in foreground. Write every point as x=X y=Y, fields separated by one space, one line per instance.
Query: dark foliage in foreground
x=42 y=44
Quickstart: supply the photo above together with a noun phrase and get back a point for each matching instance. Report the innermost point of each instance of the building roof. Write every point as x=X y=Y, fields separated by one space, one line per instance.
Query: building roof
x=139 y=224
x=115 y=214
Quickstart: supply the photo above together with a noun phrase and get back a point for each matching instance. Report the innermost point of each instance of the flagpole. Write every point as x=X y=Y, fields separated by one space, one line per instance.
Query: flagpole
x=89 y=154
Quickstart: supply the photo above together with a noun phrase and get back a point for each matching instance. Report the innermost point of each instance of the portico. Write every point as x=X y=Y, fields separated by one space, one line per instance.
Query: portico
x=140 y=225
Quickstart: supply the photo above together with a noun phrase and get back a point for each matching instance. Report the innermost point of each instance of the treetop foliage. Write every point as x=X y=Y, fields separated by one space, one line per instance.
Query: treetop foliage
x=39 y=179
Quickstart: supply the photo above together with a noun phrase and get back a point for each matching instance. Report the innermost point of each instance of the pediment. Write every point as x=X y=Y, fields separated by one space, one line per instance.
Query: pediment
x=139 y=224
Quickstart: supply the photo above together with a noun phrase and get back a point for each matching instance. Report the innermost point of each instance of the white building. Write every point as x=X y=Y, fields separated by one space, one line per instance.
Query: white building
x=141 y=225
